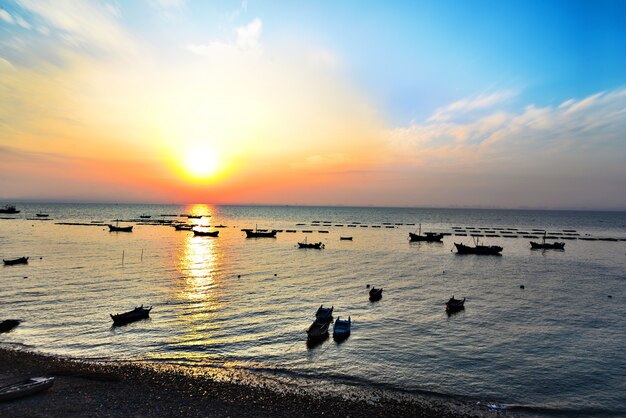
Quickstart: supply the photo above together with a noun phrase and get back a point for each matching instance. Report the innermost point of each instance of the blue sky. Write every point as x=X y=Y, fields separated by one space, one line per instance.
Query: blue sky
x=477 y=103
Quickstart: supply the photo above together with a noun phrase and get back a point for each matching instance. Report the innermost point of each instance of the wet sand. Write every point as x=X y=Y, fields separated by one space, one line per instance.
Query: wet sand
x=129 y=389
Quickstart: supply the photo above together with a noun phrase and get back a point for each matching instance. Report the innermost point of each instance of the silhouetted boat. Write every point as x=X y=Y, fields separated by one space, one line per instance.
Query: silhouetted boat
x=455 y=305
x=315 y=245
x=205 y=233
x=547 y=246
x=256 y=233
x=145 y=216
x=193 y=216
x=427 y=237
x=25 y=387
x=478 y=249
x=345 y=238
x=8 y=325
x=341 y=328
x=10 y=209
x=135 y=315
x=318 y=330
x=42 y=215
x=376 y=294
x=183 y=227
x=324 y=314
x=12 y=261
x=115 y=228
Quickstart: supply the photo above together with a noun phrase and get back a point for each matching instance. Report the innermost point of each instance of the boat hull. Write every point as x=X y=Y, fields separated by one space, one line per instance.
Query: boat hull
x=205 y=233
x=25 y=388
x=131 y=316
x=260 y=234
x=113 y=228
x=546 y=246
x=478 y=250
x=428 y=237
x=13 y=261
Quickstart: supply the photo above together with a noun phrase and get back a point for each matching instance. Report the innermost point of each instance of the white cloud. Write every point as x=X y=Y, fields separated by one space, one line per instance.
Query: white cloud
x=482 y=101
x=21 y=22
x=6 y=16
x=247 y=39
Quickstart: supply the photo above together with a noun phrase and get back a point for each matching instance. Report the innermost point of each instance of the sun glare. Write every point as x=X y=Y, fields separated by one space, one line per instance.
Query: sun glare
x=201 y=163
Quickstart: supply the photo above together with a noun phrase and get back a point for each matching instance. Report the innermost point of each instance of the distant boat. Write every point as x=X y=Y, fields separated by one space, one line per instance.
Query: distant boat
x=183 y=227
x=8 y=324
x=258 y=233
x=9 y=209
x=12 y=261
x=315 y=245
x=324 y=314
x=115 y=228
x=455 y=305
x=376 y=294
x=478 y=249
x=193 y=216
x=341 y=328
x=42 y=215
x=318 y=330
x=145 y=216
x=427 y=237
x=131 y=316
x=547 y=246
x=205 y=233
x=345 y=238
x=25 y=387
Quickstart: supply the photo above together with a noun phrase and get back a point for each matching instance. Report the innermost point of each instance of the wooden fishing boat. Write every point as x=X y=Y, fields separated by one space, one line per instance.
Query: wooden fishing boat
x=341 y=328
x=255 y=233
x=315 y=245
x=131 y=316
x=205 y=233
x=478 y=249
x=118 y=228
x=376 y=294
x=324 y=314
x=8 y=324
x=318 y=330
x=12 y=261
x=9 y=209
x=547 y=245
x=427 y=237
x=455 y=305
x=25 y=387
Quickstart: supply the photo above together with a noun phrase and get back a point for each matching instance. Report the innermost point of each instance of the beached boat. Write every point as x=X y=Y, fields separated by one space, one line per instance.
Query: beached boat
x=10 y=209
x=135 y=315
x=324 y=314
x=8 y=324
x=318 y=330
x=315 y=245
x=427 y=237
x=455 y=305
x=257 y=233
x=25 y=387
x=376 y=294
x=341 y=328
x=478 y=249
x=547 y=245
x=12 y=261
x=205 y=233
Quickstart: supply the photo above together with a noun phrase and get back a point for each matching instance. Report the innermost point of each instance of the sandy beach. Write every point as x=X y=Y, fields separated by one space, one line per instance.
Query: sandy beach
x=123 y=389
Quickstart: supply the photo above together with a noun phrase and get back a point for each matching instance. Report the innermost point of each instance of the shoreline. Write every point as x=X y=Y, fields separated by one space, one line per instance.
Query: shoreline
x=85 y=388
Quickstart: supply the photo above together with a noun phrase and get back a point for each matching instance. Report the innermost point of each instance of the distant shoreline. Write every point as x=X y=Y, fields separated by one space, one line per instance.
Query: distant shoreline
x=96 y=389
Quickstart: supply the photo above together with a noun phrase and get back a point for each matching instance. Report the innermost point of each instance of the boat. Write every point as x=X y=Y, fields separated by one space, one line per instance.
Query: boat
x=376 y=294
x=427 y=237
x=42 y=215
x=316 y=245
x=455 y=305
x=183 y=227
x=25 y=387
x=324 y=314
x=341 y=328
x=547 y=245
x=10 y=209
x=131 y=316
x=115 y=228
x=12 y=261
x=257 y=233
x=8 y=324
x=318 y=330
x=478 y=249
x=145 y=216
x=205 y=233
x=345 y=238
x=193 y=216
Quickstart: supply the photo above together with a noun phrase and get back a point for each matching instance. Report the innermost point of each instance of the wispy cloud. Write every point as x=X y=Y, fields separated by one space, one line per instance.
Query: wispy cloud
x=467 y=105
x=246 y=39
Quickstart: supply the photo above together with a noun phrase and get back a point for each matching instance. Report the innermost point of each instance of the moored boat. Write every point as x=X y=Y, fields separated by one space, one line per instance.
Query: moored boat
x=183 y=227
x=198 y=233
x=478 y=249
x=543 y=245
x=131 y=316
x=9 y=209
x=345 y=238
x=318 y=330
x=42 y=215
x=324 y=314
x=255 y=233
x=315 y=245
x=12 y=261
x=25 y=387
x=117 y=228
x=376 y=294
x=341 y=328
x=8 y=324
x=455 y=305
x=427 y=237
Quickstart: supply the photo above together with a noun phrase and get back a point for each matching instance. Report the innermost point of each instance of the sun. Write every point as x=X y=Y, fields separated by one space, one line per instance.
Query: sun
x=201 y=163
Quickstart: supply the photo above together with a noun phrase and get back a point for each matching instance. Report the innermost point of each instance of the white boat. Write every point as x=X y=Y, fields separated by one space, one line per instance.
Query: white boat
x=25 y=387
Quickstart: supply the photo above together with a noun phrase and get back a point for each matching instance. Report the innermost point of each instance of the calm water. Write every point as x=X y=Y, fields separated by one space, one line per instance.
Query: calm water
x=558 y=345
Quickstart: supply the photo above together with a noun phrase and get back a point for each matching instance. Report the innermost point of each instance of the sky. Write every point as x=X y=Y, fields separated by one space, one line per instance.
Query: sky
x=505 y=104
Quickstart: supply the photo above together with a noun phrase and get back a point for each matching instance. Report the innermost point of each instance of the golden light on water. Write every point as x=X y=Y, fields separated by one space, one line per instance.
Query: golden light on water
x=198 y=264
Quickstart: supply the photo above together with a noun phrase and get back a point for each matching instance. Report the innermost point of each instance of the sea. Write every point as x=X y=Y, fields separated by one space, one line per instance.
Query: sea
x=543 y=332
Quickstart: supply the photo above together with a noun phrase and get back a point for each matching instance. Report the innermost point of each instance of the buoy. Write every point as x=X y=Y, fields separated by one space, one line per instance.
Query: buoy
x=610 y=296
x=238 y=276
x=275 y=274
x=521 y=286
x=367 y=286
